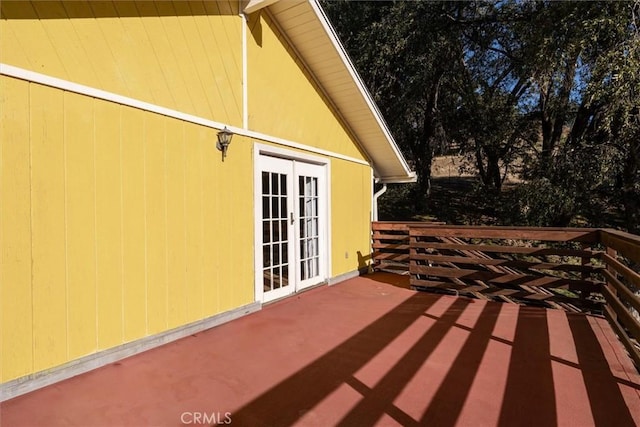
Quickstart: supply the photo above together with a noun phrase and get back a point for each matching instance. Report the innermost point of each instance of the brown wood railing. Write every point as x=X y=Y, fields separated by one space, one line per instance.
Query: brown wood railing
x=622 y=259
x=576 y=269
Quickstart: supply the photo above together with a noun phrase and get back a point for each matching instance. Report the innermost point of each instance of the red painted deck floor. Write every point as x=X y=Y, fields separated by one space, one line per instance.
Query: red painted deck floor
x=365 y=352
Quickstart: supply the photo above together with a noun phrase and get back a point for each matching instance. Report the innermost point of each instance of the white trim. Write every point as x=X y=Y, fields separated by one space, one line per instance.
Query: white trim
x=373 y=187
x=245 y=73
x=276 y=165
x=318 y=171
x=291 y=144
x=32 y=382
x=31 y=76
x=330 y=220
x=321 y=87
x=376 y=196
x=269 y=150
x=257 y=226
x=38 y=380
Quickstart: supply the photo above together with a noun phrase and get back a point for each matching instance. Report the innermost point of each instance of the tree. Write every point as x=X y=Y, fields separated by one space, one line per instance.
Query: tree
x=552 y=85
x=408 y=54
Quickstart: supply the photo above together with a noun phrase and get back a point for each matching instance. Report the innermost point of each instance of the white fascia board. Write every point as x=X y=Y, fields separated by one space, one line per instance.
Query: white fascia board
x=362 y=88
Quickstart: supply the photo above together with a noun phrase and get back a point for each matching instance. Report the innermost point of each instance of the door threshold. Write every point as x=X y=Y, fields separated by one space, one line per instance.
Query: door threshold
x=301 y=291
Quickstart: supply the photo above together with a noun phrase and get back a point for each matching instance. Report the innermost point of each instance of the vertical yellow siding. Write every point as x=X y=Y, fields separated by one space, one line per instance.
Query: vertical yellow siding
x=80 y=212
x=193 y=220
x=156 y=221
x=281 y=88
x=87 y=35
x=135 y=63
x=16 y=297
x=118 y=224
x=31 y=47
x=108 y=224
x=134 y=260
x=351 y=216
x=48 y=227
x=176 y=225
x=214 y=230
x=158 y=52
x=238 y=195
x=284 y=100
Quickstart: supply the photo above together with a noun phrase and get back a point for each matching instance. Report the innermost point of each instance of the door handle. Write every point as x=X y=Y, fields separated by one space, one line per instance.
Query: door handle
x=291 y=216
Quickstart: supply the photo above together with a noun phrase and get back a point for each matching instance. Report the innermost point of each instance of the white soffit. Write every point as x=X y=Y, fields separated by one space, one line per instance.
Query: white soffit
x=311 y=34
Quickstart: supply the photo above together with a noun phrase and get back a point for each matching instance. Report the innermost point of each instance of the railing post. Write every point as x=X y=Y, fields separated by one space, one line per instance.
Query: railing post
x=412 y=256
x=584 y=295
x=613 y=254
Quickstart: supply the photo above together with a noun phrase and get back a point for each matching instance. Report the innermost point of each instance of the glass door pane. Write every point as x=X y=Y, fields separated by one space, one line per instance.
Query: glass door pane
x=275 y=236
x=308 y=262
x=275 y=262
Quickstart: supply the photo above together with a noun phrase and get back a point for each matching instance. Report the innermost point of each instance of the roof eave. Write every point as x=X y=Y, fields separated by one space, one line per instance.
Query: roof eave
x=374 y=137
x=412 y=177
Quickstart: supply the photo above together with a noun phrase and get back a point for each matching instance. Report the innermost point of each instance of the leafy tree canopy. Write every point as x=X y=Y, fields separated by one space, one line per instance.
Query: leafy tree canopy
x=547 y=90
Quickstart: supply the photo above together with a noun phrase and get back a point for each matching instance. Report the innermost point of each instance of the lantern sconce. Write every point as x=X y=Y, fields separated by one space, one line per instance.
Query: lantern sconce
x=224 y=139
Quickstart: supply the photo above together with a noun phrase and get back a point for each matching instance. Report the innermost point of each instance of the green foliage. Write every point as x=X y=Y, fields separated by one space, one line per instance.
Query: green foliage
x=543 y=203
x=547 y=89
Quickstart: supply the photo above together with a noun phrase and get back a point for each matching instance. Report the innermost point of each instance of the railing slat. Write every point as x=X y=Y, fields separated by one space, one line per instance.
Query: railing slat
x=378 y=236
x=447 y=258
x=509 y=249
x=509 y=263
x=396 y=246
x=390 y=256
x=623 y=315
x=628 y=273
x=622 y=335
x=626 y=243
x=625 y=292
x=541 y=234
x=505 y=278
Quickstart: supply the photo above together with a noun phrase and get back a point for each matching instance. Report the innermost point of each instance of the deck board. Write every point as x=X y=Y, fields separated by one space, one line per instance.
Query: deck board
x=368 y=351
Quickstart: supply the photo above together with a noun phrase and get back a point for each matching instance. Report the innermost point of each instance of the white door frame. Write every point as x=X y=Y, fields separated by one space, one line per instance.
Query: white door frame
x=313 y=171
x=260 y=150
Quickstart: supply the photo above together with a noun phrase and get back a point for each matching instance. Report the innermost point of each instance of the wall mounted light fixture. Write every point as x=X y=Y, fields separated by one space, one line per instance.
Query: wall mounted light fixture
x=224 y=139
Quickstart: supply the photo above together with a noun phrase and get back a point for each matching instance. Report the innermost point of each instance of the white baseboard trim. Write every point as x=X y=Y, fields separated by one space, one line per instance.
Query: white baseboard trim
x=32 y=382
x=41 y=379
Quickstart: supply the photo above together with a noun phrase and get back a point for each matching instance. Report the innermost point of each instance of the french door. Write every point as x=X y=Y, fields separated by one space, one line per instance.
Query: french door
x=292 y=220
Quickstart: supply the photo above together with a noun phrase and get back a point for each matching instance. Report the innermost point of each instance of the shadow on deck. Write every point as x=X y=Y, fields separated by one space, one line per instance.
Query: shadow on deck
x=365 y=352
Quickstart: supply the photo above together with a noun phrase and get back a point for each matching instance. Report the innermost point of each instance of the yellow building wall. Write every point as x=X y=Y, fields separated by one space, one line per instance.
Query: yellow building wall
x=183 y=55
x=283 y=99
x=351 y=194
x=117 y=223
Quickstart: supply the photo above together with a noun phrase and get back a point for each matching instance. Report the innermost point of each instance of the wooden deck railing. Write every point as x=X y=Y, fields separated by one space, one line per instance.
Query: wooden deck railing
x=622 y=260
x=576 y=269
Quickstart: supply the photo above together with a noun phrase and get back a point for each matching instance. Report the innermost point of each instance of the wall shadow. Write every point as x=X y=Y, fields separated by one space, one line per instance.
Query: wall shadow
x=47 y=9
x=607 y=403
x=397 y=280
